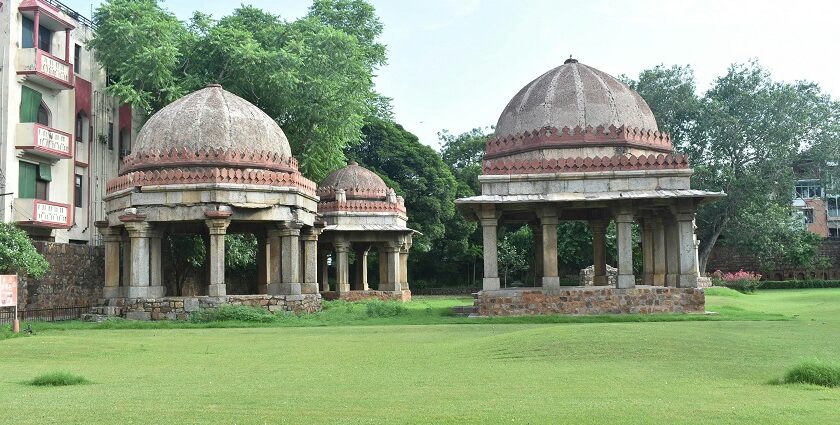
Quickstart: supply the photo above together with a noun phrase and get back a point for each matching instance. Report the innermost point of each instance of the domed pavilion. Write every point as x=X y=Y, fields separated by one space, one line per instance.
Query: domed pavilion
x=577 y=144
x=212 y=164
x=360 y=213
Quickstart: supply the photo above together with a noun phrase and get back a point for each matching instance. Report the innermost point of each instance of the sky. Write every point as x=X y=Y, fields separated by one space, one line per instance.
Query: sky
x=455 y=64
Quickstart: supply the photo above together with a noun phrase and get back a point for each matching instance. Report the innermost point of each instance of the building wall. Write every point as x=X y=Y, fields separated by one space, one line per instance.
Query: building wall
x=820 y=223
x=93 y=160
x=729 y=260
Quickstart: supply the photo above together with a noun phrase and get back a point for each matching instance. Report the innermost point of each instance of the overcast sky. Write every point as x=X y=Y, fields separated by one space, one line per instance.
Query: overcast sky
x=455 y=64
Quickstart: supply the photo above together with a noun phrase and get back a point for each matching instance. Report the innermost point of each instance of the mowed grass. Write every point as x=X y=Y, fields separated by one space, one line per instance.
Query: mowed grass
x=716 y=369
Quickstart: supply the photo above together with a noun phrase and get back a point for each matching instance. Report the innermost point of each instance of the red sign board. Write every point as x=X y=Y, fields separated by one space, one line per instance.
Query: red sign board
x=8 y=290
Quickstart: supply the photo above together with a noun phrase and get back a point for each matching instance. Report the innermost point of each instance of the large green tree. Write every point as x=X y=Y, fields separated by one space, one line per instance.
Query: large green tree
x=314 y=75
x=18 y=255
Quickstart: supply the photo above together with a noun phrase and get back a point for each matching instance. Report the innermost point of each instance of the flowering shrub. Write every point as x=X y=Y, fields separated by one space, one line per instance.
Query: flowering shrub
x=740 y=281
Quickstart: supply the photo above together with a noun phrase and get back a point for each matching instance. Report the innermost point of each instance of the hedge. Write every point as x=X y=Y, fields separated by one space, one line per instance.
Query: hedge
x=798 y=284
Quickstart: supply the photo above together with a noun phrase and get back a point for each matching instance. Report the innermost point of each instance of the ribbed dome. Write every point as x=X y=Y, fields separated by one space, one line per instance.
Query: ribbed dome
x=212 y=118
x=358 y=183
x=574 y=95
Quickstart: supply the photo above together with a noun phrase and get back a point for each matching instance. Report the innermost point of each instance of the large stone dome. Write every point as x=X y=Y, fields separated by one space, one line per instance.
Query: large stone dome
x=574 y=95
x=217 y=128
x=356 y=181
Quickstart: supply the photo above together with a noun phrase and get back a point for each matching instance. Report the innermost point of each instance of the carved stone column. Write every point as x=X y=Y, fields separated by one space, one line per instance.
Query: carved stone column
x=361 y=268
x=138 y=233
x=647 y=251
x=111 y=237
x=548 y=223
x=624 y=240
x=290 y=259
x=263 y=262
x=274 y=266
x=324 y=266
x=536 y=231
x=599 y=252
x=672 y=253
x=309 y=238
x=125 y=264
x=689 y=272
x=659 y=252
x=217 y=223
x=156 y=287
x=404 y=248
x=489 y=224
x=342 y=266
x=392 y=259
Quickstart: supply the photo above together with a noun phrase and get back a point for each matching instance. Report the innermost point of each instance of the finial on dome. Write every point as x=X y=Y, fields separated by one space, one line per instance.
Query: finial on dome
x=352 y=163
x=570 y=60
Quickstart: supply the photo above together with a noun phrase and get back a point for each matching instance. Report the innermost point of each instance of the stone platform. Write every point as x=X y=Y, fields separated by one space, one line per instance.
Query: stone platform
x=578 y=300
x=180 y=308
x=352 y=296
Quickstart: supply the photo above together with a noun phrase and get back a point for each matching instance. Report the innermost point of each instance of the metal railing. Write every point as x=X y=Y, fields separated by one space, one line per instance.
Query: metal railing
x=70 y=12
x=7 y=315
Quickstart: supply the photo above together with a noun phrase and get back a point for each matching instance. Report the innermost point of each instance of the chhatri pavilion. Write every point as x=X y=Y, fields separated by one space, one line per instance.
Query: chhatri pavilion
x=578 y=144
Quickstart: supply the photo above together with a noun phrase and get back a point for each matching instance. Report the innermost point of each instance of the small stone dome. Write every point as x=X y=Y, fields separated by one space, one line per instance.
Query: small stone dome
x=574 y=95
x=357 y=182
x=214 y=127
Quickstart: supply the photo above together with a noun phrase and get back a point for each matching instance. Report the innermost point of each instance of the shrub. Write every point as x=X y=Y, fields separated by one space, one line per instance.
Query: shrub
x=378 y=308
x=799 y=284
x=58 y=379
x=817 y=373
x=722 y=291
x=740 y=281
x=18 y=255
x=237 y=313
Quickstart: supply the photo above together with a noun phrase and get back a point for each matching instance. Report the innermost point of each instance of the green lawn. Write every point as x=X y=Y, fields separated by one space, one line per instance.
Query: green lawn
x=710 y=369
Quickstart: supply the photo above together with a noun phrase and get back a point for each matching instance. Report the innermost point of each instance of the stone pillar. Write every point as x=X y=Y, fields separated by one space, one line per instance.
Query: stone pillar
x=125 y=264
x=392 y=259
x=672 y=253
x=404 y=265
x=624 y=240
x=342 y=268
x=217 y=225
x=548 y=223
x=263 y=262
x=310 y=261
x=536 y=231
x=599 y=252
x=361 y=283
x=647 y=251
x=274 y=266
x=138 y=282
x=489 y=223
x=111 y=237
x=659 y=252
x=383 y=265
x=687 y=248
x=156 y=288
x=290 y=259
x=324 y=266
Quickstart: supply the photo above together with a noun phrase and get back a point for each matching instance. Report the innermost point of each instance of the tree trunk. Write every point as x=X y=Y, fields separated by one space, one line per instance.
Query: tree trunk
x=706 y=248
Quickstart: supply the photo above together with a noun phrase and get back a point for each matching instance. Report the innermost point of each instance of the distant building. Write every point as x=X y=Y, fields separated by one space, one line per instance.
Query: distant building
x=818 y=207
x=61 y=136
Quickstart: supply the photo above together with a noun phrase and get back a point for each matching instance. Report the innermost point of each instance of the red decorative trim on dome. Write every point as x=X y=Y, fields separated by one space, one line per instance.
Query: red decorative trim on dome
x=357 y=205
x=226 y=158
x=572 y=165
x=327 y=193
x=552 y=137
x=210 y=175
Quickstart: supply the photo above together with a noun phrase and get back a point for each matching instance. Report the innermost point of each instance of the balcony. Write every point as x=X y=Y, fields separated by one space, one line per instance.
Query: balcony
x=45 y=69
x=39 y=213
x=44 y=141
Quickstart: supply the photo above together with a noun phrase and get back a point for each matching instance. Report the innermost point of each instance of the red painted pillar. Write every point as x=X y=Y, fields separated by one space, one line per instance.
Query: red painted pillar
x=67 y=45
x=37 y=28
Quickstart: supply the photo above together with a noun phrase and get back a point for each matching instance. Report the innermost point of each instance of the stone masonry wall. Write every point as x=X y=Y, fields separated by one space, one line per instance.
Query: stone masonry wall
x=590 y=301
x=729 y=260
x=76 y=277
x=354 y=296
x=180 y=308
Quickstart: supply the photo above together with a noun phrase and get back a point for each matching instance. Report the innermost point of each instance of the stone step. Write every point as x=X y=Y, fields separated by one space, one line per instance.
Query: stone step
x=463 y=310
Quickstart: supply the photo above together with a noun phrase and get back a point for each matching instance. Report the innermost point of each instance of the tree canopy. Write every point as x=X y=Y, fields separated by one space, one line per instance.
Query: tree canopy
x=18 y=255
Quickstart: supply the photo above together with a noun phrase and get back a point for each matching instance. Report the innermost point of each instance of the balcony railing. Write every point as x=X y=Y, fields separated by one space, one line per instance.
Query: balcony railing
x=45 y=69
x=40 y=213
x=44 y=141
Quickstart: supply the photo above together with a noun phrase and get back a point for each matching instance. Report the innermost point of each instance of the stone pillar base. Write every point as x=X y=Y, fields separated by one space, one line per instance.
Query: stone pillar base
x=626 y=281
x=659 y=279
x=157 y=291
x=217 y=290
x=551 y=282
x=262 y=289
x=671 y=280
x=137 y=292
x=390 y=287
x=647 y=279
x=284 y=289
x=309 y=288
x=491 y=283
x=112 y=292
x=688 y=281
x=342 y=287
x=600 y=280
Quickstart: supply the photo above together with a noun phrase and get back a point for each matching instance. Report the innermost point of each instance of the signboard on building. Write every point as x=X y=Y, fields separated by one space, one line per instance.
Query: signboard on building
x=54 y=68
x=48 y=212
x=53 y=140
x=8 y=290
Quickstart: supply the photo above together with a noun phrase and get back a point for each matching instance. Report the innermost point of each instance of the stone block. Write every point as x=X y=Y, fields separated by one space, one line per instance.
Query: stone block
x=190 y=304
x=138 y=315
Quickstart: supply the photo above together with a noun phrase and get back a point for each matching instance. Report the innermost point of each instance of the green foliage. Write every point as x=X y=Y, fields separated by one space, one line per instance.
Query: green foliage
x=312 y=75
x=514 y=255
x=185 y=254
x=799 y=284
x=232 y=313
x=721 y=291
x=18 y=255
x=744 y=286
x=58 y=379
x=464 y=154
x=240 y=252
x=816 y=373
x=379 y=308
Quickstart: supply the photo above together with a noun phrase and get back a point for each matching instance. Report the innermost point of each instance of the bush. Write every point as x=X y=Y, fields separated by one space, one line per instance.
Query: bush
x=378 y=308
x=58 y=379
x=18 y=255
x=232 y=313
x=817 y=373
x=799 y=284
x=722 y=291
x=745 y=282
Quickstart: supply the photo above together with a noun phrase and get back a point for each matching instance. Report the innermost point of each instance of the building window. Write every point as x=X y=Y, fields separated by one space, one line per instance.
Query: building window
x=77 y=195
x=809 y=215
x=833 y=233
x=833 y=206
x=34 y=180
x=77 y=60
x=28 y=36
x=125 y=143
x=808 y=189
x=80 y=127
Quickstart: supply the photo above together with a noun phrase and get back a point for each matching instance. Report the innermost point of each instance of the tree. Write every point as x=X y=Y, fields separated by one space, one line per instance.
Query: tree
x=18 y=255
x=314 y=76
x=464 y=154
x=514 y=254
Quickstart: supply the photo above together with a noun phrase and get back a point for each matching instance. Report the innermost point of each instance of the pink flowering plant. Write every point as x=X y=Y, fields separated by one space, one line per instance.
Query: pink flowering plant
x=741 y=280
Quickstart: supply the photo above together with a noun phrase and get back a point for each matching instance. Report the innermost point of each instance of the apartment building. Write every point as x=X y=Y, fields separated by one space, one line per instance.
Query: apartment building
x=61 y=135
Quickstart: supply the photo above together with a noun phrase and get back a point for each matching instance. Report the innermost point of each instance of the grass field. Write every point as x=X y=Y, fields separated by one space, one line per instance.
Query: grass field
x=709 y=369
